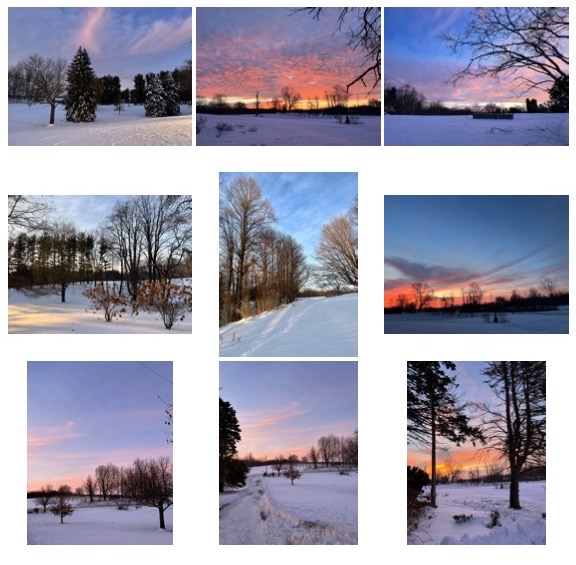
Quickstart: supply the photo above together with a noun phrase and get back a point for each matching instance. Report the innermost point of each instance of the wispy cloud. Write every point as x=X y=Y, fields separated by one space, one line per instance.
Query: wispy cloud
x=56 y=434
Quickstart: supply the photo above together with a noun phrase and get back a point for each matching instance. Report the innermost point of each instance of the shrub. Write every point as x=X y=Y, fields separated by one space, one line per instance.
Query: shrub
x=222 y=127
x=461 y=518
x=200 y=123
x=107 y=299
x=171 y=301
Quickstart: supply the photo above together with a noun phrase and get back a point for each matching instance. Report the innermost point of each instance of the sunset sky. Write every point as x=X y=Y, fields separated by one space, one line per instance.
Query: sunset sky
x=284 y=407
x=471 y=387
x=414 y=53
x=503 y=243
x=85 y=414
x=304 y=202
x=120 y=41
x=242 y=51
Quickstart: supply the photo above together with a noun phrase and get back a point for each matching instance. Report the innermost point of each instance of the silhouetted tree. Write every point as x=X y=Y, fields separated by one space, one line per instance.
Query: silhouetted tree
x=433 y=410
x=233 y=472
x=528 y=46
x=516 y=426
x=364 y=34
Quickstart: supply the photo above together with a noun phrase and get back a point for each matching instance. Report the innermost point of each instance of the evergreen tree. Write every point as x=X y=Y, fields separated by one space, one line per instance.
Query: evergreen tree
x=232 y=471
x=171 y=95
x=81 y=97
x=139 y=92
x=155 y=104
x=433 y=410
x=559 y=95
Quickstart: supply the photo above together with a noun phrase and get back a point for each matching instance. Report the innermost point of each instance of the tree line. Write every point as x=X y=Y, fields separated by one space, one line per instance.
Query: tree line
x=335 y=102
x=145 y=239
x=262 y=268
x=147 y=482
x=38 y=79
x=472 y=300
x=512 y=427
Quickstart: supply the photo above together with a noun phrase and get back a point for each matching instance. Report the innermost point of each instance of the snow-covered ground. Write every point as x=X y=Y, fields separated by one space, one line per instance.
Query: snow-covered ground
x=310 y=327
x=28 y=125
x=287 y=129
x=524 y=129
x=97 y=524
x=44 y=313
x=553 y=322
x=320 y=508
x=518 y=527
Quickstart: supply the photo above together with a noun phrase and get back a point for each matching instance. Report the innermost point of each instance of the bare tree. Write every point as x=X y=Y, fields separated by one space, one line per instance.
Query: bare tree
x=474 y=295
x=290 y=97
x=166 y=223
x=29 y=213
x=328 y=449
x=48 y=81
x=149 y=483
x=516 y=426
x=337 y=252
x=364 y=34
x=314 y=456
x=278 y=463
x=423 y=294
x=528 y=46
x=409 y=100
x=90 y=487
x=47 y=493
x=244 y=215
x=550 y=286
x=107 y=479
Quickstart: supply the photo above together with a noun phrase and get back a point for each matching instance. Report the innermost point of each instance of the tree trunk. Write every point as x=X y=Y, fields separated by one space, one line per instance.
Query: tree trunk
x=433 y=481
x=515 y=490
x=52 y=113
x=63 y=292
x=161 y=513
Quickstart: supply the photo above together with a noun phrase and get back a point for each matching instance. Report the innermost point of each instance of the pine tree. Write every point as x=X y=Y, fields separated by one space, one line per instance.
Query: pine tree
x=155 y=104
x=81 y=97
x=232 y=471
x=171 y=95
x=433 y=410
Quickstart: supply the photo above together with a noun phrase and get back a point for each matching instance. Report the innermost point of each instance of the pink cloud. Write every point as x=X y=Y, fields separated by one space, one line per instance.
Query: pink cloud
x=88 y=35
x=163 y=36
x=57 y=434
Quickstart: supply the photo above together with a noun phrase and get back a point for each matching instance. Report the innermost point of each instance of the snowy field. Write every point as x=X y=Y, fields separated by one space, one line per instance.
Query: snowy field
x=96 y=524
x=524 y=129
x=28 y=125
x=320 y=508
x=309 y=327
x=287 y=129
x=518 y=527
x=553 y=322
x=30 y=312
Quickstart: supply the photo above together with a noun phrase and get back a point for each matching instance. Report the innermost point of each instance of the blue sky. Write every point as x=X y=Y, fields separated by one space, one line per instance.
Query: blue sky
x=415 y=53
x=85 y=212
x=284 y=407
x=304 y=202
x=504 y=243
x=85 y=414
x=120 y=41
